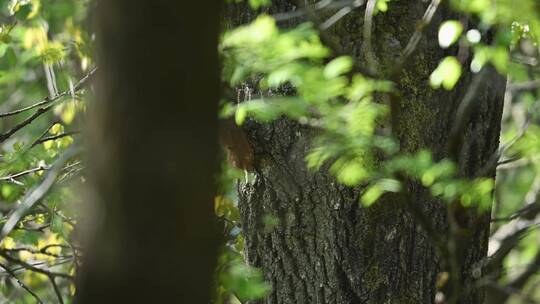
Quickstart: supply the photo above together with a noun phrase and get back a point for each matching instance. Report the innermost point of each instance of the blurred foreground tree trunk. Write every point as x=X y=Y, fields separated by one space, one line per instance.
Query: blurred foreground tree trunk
x=328 y=249
x=153 y=154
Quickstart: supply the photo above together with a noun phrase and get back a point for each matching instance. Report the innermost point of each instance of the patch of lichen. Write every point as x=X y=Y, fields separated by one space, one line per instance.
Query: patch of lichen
x=374 y=278
x=391 y=33
x=416 y=117
x=347 y=34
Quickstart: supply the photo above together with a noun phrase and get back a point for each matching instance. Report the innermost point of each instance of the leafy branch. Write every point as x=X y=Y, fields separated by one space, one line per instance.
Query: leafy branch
x=43 y=107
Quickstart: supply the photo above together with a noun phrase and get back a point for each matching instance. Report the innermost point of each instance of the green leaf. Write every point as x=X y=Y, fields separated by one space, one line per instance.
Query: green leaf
x=53 y=52
x=259 y=31
x=474 y=36
x=443 y=169
x=349 y=172
x=338 y=66
x=256 y=4
x=449 y=33
x=240 y=115
x=11 y=57
x=7 y=190
x=268 y=110
x=57 y=224
x=374 y=192
x=446 y=74
x=26 y=237
x=382 y=6
x=500 y=59
x=246 y=282
x=472 y=6
x=371 y=195
x=3 y=49
x=23 y=11
x=56 y=129
x=282 y=75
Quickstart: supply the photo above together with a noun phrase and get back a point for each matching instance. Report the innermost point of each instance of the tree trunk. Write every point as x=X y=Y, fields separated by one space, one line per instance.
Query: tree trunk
x=153 y=154
x=328 y=249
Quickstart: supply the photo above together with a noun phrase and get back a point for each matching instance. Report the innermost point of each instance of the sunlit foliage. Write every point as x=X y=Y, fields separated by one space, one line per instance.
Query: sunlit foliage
x=44 y=53
x=354 y=144
x=45 y=67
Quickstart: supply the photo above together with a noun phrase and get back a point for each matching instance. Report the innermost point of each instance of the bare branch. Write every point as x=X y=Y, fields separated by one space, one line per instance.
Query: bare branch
x=36 y=193
x=48 y=100
x=58 y=261
x=520 y=281
x=340 y=14
x=524 y=86
x=504 y=240
x=24 y=123
x=43 y=107
x=43 y=133
x=53 y=137
x=498 y=294
x=21 y=283
x=329 y=41
x=45 y=101
x=323 y=4
x=34 y=268
x=56 y=290
x=45 y=251
x=368 y=27
x=23 y=173
x=418 y=33
x=465 y=111
x=493 y=161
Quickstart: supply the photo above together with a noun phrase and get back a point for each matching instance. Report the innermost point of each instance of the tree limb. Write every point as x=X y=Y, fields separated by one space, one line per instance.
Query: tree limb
x=21 y=283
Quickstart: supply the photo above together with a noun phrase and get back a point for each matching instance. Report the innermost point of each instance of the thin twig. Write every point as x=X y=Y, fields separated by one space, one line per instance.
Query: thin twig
x=464 y=111
x=45 y=101
x=323 y=4
x=512 y=163
x=53 y=137
x=44 y=250
x=393 y=98
x=43 y=134
x=504 y=241
x=56 y=290
x=329 y=41
x=73 y=168
x=419 y=32
x=21 y=283
x=524 y=277
x=340 y=14
x=23 y=173
x=36 y=193
x=502 y=293
x=367 y=31
x=34 y=268
x=524 y=86
x=58 y=261
x=24 y=123
x=43 y=107
x=493 y=161
x=48 y=100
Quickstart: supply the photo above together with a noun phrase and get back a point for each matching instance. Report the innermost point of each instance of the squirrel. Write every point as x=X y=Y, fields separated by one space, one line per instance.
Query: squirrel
x=234 y=141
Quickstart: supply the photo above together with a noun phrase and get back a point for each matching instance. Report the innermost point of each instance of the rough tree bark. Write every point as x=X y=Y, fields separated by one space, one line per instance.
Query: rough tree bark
x=328 y=249
x=153 y=154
